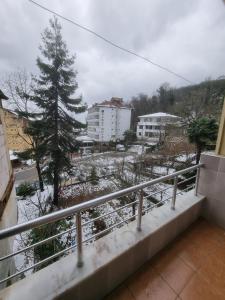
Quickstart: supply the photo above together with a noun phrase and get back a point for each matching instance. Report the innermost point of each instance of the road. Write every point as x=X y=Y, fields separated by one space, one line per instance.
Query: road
x=26 y=175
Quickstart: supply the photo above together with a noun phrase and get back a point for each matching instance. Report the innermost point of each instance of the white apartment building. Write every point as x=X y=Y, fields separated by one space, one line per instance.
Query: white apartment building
x=107 y=121
x=152 y=127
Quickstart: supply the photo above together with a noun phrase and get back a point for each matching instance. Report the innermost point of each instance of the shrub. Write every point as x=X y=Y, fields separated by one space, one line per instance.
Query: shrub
x=25 y=189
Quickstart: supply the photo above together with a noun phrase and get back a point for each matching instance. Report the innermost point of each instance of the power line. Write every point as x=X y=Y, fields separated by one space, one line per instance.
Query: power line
x=112 y=43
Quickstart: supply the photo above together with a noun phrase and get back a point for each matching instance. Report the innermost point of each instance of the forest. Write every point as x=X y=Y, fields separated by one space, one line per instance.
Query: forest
x=190 y=102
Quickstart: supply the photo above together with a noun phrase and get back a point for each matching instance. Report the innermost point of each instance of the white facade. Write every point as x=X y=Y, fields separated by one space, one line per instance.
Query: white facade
x=152 y=126
x=108 y=122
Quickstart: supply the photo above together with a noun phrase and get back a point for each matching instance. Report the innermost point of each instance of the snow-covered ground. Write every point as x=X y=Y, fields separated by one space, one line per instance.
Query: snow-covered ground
x=120 y=167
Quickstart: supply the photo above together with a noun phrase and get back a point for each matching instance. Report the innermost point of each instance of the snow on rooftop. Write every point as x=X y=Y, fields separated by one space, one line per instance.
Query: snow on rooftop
x=159 y=114
x=84 y=138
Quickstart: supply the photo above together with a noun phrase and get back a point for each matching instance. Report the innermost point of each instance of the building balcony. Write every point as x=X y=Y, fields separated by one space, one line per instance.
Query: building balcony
x=170 y=251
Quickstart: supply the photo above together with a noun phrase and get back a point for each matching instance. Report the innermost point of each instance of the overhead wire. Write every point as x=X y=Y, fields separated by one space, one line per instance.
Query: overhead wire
x=110 y=42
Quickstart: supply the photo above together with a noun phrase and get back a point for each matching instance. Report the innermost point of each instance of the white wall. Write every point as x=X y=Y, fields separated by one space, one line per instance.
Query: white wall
x=112 y=121
x=124 y=119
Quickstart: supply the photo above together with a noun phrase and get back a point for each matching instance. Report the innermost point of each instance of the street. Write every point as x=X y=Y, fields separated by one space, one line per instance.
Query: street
x=26 y=175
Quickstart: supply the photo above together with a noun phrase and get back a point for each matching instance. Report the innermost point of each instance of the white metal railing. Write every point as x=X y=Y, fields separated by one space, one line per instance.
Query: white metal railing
x=77 y=211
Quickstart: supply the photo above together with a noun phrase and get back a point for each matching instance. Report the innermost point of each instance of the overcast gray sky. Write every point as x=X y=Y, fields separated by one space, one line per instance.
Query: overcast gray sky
x=185 y=36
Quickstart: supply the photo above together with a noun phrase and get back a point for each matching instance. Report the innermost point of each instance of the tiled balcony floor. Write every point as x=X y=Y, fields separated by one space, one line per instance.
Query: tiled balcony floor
x=192 y=267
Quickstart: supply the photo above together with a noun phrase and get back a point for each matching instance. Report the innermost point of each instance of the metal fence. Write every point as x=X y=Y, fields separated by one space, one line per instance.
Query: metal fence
x=76 y=211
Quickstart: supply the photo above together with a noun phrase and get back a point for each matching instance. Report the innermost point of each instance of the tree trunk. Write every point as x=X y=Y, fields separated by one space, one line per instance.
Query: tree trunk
x=56 y=187
x=198 y=154
x=41 y=184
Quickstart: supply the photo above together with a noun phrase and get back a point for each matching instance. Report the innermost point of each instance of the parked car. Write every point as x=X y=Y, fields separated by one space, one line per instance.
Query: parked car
x=120 y=148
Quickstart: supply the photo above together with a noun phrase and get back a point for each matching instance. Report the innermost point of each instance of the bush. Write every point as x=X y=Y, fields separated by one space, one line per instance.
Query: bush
x=51 y=247
x=93 y=177
x=25 y=189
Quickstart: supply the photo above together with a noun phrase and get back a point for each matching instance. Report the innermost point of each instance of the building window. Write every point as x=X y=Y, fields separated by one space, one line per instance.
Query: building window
x=140 y=126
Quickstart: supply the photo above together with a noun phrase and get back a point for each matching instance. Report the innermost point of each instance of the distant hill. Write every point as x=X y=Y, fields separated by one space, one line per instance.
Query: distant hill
x=190 y=101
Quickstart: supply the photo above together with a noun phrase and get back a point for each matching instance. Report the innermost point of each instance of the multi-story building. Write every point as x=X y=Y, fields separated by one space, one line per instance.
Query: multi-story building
x=8 y=209
x=107 y=121
x=153 y=126
x=15 y=125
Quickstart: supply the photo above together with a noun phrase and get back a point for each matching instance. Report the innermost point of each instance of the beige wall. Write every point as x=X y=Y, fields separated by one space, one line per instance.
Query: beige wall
x=17 y=139
x=212 y=185
x=220 y=144
x=5 y=166
x=8 y=207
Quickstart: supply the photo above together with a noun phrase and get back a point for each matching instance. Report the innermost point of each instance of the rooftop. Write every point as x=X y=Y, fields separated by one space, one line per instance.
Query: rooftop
x=84 y=138
x=158 y=114
x=114 y=102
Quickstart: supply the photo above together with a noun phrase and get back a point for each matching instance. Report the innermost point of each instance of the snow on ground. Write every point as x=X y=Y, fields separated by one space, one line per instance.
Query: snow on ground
x=107 y=163
x=139 y=149
x=158 y=170
x=28 y=209
x=184 y=157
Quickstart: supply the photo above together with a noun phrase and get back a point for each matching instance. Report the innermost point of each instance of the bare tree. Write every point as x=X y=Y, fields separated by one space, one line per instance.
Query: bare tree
x=18 y=86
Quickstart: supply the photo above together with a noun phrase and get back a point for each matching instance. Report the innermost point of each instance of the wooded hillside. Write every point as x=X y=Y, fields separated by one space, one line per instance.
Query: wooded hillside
x=190 y=102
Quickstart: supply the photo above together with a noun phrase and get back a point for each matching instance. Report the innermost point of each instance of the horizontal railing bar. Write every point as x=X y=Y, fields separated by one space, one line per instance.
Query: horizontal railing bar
x=55 y=216
x=109 y=213
x=37 y=264
x=37 y=244
x=154 y=205
x=158 y=192
x=186 y=180
x=109 y=228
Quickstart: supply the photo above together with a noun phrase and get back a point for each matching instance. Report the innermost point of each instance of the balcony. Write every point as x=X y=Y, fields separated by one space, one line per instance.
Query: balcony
x=191 y=267
x=163 y=249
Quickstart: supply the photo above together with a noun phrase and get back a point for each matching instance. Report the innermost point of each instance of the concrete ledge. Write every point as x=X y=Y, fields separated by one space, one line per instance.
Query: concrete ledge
x=212 y=185
x=111 y=259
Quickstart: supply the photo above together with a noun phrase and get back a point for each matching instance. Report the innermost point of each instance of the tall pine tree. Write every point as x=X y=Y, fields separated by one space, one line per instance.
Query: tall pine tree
x=55 y=86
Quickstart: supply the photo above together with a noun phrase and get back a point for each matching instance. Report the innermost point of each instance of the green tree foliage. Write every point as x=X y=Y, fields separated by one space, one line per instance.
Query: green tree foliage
x=191 y=102
x=25 y=189
x=201 y=132
x=53 y=96
x=129 y=136
x=37 y=148
x=93 y=176
x=58 y=244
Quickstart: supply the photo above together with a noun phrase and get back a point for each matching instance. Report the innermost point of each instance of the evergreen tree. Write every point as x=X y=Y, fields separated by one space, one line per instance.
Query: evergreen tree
x=55 y=86
x=37 y=148
x=93 y=176
x=129 y=136
x=201 y=132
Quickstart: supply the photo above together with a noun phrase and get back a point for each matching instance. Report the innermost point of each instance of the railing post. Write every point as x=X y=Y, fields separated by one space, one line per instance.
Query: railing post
x=140 y=205
x=196 y=181
x=174 y=193
x=79 y=240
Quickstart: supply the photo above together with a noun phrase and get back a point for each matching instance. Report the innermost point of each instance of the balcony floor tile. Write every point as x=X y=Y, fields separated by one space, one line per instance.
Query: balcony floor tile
x=191 y=267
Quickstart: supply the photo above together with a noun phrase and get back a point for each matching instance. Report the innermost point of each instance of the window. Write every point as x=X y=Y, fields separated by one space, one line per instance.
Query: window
x=139 y=133
x=141 y=126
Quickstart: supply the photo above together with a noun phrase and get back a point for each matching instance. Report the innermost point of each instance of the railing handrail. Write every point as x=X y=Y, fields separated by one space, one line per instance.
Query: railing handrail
x=55 y=216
